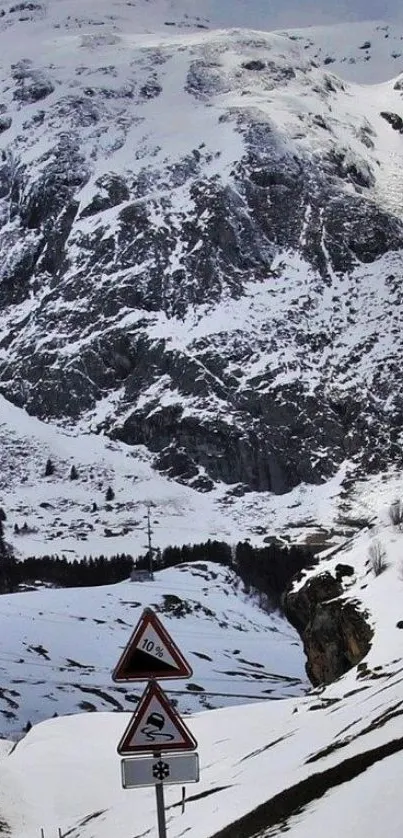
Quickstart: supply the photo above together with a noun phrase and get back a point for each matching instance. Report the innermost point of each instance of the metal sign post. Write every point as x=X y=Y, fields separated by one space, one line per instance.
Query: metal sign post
x=159 y=795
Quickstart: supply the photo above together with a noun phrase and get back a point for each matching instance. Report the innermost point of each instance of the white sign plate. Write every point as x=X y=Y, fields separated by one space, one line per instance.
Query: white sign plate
x=166 y=770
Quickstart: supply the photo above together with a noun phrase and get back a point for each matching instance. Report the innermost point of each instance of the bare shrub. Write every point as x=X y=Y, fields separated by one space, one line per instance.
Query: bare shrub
x=396 y=513
x=377 y=557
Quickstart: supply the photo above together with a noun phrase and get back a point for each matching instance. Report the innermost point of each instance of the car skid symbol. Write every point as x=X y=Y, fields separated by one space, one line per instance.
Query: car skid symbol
x=152 y=729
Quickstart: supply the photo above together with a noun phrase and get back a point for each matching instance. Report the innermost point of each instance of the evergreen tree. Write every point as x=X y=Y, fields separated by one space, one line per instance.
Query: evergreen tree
x=73 y=473
x=49 y=468
x=2 y=542
x=110 y=494
x=8 y=566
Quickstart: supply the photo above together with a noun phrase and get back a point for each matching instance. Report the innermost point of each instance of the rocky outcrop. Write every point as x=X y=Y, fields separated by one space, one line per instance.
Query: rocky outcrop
x=335 y=633
x=394 y=120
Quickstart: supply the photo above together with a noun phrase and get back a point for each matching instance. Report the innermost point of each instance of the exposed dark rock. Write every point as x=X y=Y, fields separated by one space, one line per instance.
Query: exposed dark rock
x=343 y=570
x=150 y=90
x=24 y=9
x=335 y=634
x=394 y=120
x=254 y=65
x=204 y=81
x=300 y=605
x=176 y=464
x=32 y=84
x=113 y=191
x=337 y=638
x=5 y=123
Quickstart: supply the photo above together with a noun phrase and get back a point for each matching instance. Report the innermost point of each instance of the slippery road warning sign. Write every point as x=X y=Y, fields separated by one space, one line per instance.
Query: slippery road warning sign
x=155 y=726
x=151 y=653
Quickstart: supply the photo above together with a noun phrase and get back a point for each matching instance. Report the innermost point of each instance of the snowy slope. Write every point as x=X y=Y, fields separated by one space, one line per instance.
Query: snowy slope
x=60 y=647
x=58 y=511
x=366 y=52
x=359 y=21
x=330 y=756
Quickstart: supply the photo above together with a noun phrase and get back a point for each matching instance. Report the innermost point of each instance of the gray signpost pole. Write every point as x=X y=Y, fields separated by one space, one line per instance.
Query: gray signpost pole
x=159 y=793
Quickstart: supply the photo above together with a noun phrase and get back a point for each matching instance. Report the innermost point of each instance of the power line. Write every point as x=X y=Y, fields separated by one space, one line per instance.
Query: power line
x=152 y=585
x=189 y=693
x=211 y=587
x=204 y=634
x=150 y=549
x=23 y=611
x=94 y=670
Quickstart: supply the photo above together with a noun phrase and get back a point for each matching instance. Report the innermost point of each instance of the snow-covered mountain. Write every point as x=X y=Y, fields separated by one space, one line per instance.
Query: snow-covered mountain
x=201 y=232
x=201 y=238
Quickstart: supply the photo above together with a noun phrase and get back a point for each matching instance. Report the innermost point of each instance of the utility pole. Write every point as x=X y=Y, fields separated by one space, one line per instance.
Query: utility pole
x=150 y=549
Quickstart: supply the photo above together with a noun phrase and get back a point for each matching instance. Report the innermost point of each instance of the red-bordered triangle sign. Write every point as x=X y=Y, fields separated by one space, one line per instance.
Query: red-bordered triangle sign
x=151 y=653
x=155 y=726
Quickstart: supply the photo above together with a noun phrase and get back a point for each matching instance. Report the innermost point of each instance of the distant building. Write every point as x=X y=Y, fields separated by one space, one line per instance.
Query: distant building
x=141 y=576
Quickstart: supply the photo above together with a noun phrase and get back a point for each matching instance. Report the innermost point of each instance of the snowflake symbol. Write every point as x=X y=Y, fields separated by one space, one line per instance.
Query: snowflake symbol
x=161 y=770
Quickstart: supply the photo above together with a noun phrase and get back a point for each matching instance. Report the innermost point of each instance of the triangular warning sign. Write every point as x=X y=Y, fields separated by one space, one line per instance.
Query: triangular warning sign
x=155 y=726
x=150 y=653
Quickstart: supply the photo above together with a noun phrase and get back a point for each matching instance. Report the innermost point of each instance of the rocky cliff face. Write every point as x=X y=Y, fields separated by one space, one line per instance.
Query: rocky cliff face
x=335 y=632
x=199 y=253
